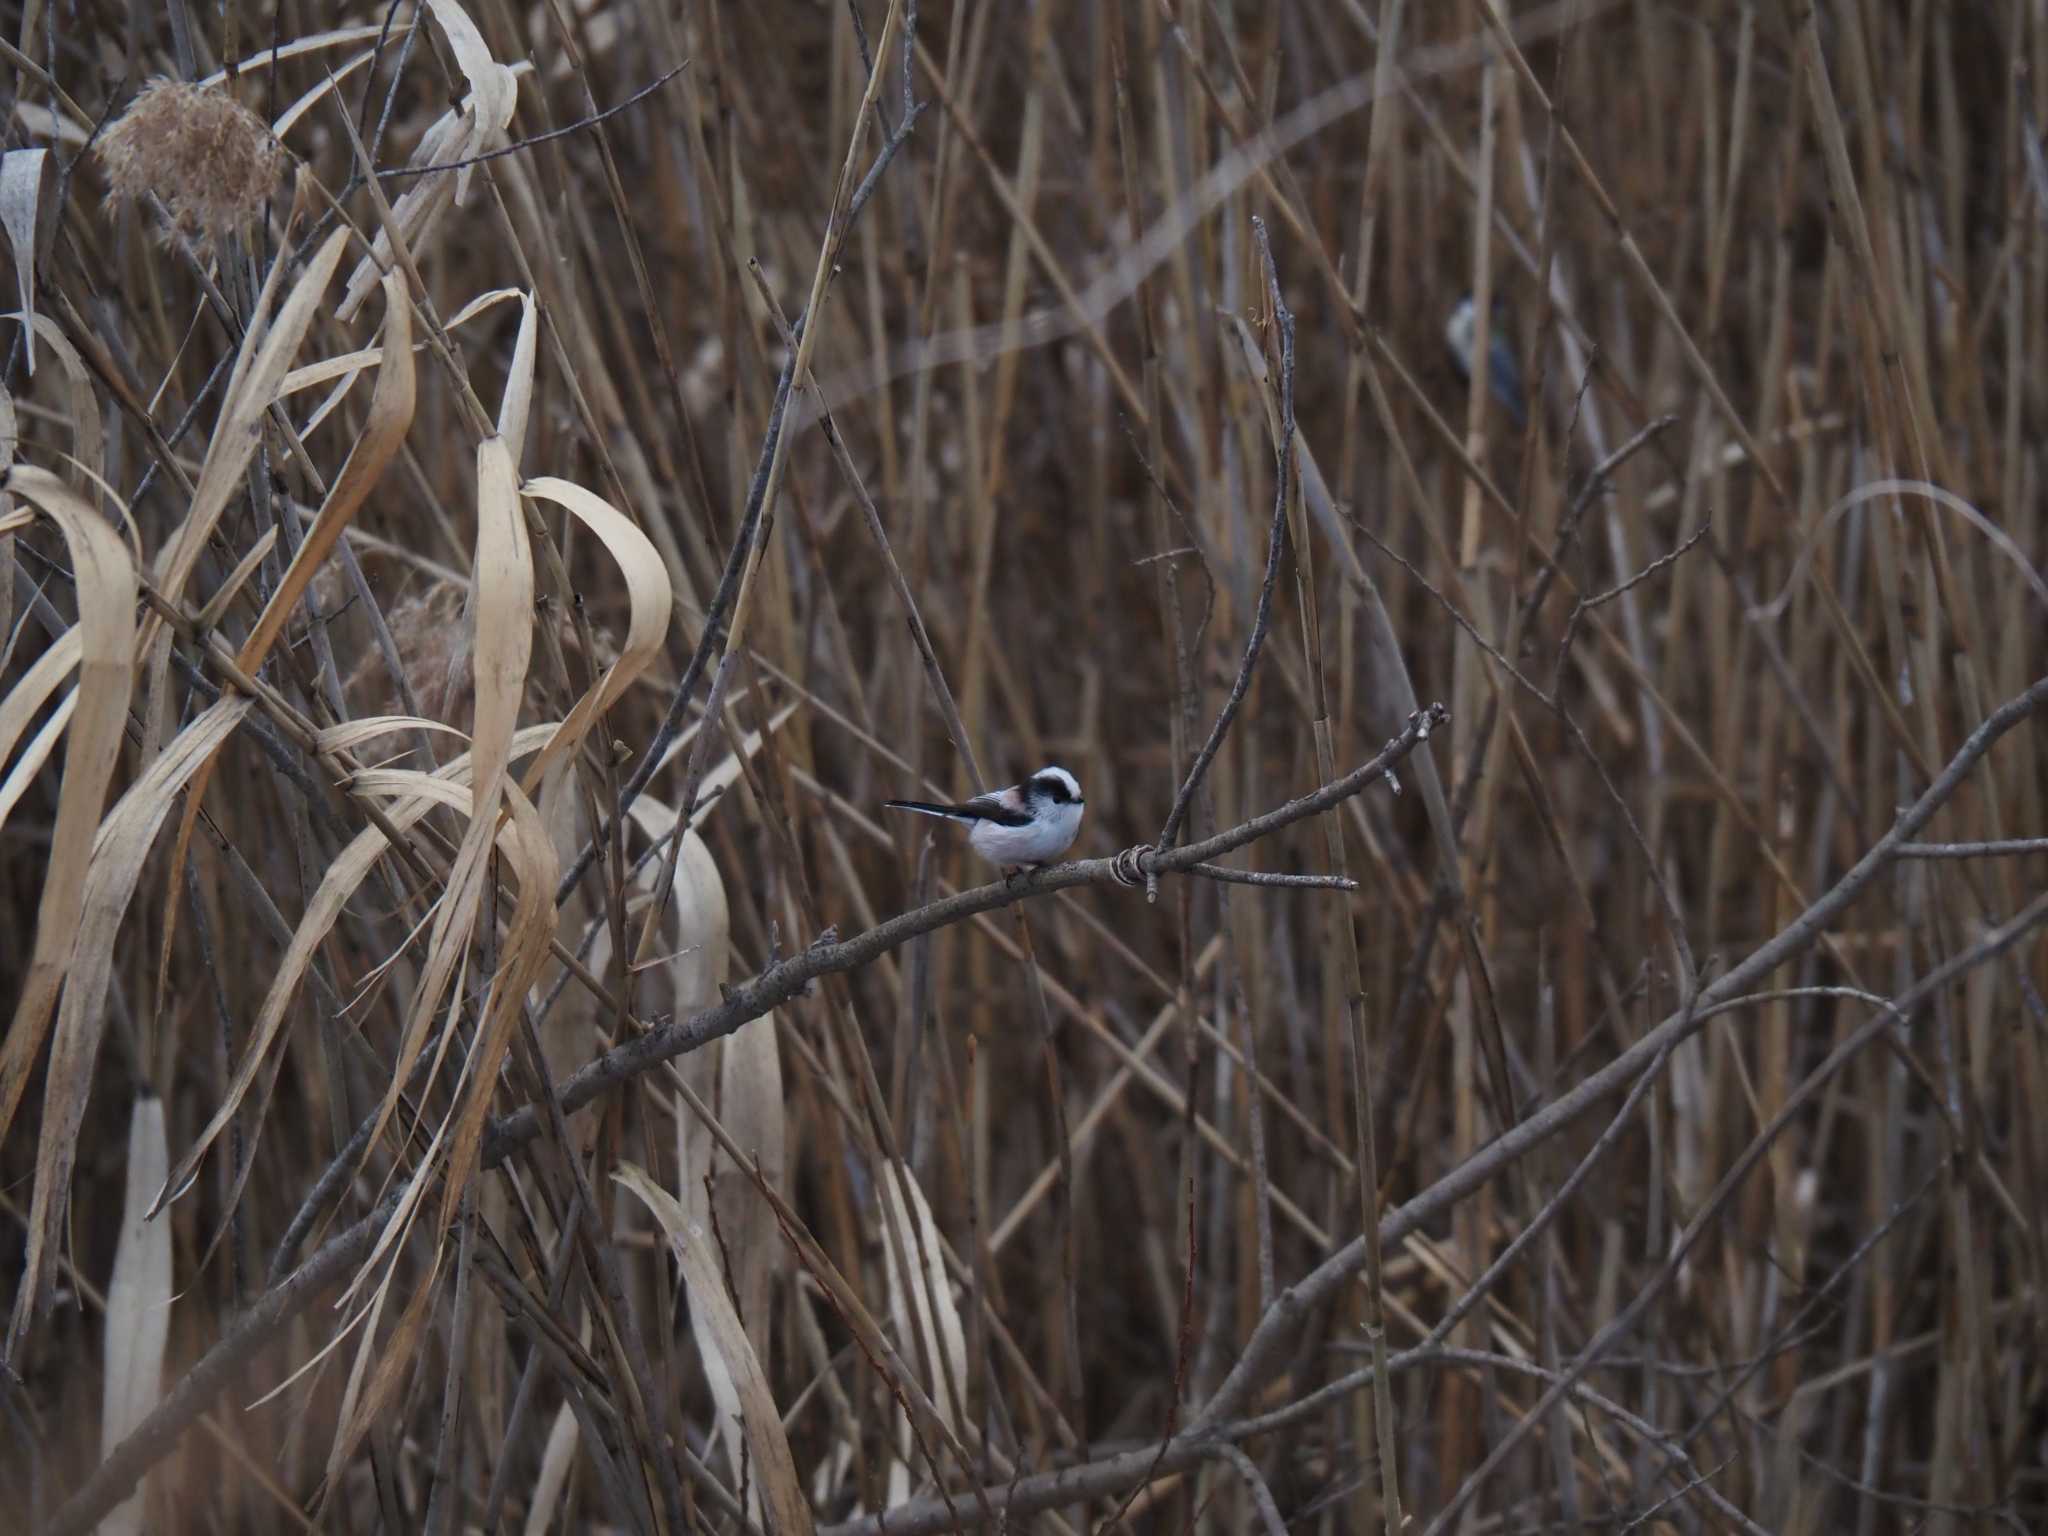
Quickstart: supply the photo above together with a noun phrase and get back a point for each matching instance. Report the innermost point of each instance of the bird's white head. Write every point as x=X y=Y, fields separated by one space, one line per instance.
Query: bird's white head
x=1055 y=785
x=1461 y=330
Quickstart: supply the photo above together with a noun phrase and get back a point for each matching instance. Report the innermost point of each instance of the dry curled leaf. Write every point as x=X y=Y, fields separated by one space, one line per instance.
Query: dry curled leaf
x=138 y=1320
x=28 y=183
x=119 y=851
x=107 y=584
x=787 y=1512
x=921 y=1301
x=476 y=125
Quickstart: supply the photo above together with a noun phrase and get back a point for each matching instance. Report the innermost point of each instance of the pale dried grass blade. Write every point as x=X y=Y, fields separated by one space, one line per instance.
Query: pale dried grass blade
x=88 y=439
x=411 y=785
x=45 y=123
x=532 y=858
x=566 y=1028
x=419 y=794
x=493 y=89
x=699 y=917
x=209 y=616
x=350 y=734
x=347 y=367
x=260 y=367
x=447 y=139
x=12 y=518
x=649 y=598
x=28 y=184
x=27 y=698
x=503 y=596
x=116 y=864
x=289 y=117
x=787 y=1512
x=253 y=386
x=31 y=762
x=517 y=405
x=556 y=1462
x=1692 y=1165
x=692 y=960
x=1941 y=497
x=106 y=583
x=478 y=124
x=138 y=1316
x=502 y=607
x=751 y=1106
x=481 y=303
x=741 y=1077
x=313 y=42
x=391 y=409
x=503 y=612
x=921 y=1296
x=394 y=1356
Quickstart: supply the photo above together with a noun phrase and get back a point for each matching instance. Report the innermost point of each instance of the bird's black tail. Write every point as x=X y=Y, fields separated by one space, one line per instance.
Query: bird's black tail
x=926 y=808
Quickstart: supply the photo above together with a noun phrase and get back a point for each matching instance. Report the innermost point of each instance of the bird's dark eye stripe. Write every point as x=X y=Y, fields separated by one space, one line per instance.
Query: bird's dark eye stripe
x=1052 y=787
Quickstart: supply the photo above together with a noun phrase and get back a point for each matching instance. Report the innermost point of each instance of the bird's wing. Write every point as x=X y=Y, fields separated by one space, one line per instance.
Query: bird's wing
x=998 y=810
x=1504 y=376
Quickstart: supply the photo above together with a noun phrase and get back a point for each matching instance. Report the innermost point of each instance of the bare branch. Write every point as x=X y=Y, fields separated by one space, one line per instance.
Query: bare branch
x=153 y=1439
x=1276 y=545
x=2005 y=848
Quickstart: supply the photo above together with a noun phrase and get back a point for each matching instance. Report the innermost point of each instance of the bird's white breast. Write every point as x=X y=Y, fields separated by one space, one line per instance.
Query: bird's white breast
x=1045 y=839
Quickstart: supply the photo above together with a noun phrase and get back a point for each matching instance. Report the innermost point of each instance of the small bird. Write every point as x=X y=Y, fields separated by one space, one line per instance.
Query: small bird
x=1029 y=823
x=1503 y=372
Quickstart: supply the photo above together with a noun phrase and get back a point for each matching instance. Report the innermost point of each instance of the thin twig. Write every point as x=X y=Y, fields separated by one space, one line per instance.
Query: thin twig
x=1268 y=878
x=1890 y=1016
x=396 y=172
x=1270 y=1339
x=2003 y=848
x=1262 y=1496
x=1276 y=545
x=1579 y=609
x=711 y=638
x=117 y=1475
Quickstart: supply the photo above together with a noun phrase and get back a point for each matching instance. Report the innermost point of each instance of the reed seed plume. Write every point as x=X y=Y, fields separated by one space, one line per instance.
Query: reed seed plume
x=207 y=158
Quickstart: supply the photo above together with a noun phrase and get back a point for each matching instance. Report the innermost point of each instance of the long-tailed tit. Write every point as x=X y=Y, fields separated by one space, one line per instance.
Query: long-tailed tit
x=1029 y=823
x=1503 y=373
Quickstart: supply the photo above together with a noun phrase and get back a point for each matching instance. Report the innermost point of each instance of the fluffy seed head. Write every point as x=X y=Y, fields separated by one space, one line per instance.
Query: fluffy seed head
x=209 y=159
x=434 y=648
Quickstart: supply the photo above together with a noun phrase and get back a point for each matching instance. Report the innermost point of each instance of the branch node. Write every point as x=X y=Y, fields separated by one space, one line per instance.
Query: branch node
x=1129 y=868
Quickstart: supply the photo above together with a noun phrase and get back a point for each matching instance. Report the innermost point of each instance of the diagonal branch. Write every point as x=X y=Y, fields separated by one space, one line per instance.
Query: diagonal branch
x=1273 y=1337
x=155 y=1437
x=1276 y=546
x=1270 y=1342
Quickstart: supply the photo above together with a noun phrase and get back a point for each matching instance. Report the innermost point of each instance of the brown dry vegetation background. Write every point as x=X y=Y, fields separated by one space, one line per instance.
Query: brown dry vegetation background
x=1045 y=1205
